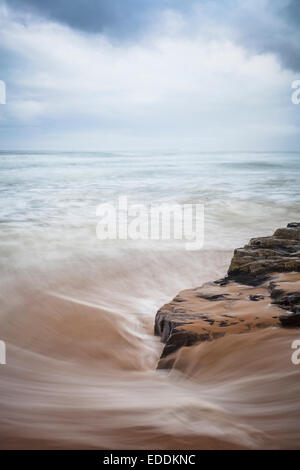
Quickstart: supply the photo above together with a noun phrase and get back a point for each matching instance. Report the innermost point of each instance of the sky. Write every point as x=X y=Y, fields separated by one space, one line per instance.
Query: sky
x=206 y=75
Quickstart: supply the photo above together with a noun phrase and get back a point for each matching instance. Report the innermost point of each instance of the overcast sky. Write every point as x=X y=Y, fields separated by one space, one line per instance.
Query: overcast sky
x=142 y=74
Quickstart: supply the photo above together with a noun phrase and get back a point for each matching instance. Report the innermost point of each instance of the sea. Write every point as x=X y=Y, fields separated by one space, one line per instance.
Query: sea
x=77 y=312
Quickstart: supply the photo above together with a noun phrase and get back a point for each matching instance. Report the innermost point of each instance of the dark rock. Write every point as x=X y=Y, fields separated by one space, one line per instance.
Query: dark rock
x=222 y=282
x=180 y=338
x=291 y=320
x=178 y=299
x=249 y=279
x=279 y=253
x=256 y=297
x=212 y=297
x=165 y=325
x=289 y=233
x=293 y=225
x=286 y=300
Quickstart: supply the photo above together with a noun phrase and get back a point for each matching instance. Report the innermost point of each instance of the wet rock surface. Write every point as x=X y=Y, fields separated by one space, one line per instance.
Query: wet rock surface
x=261 y=290
x=262 y=256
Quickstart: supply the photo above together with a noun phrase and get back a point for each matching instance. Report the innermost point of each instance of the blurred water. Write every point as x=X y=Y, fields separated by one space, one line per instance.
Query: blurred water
x=77 y=313
x=51 y=199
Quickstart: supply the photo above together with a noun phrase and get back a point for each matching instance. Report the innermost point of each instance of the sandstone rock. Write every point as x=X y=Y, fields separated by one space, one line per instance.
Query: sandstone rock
x=265 y=271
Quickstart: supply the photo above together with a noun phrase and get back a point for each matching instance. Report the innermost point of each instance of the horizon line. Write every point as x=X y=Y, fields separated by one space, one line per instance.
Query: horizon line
x=143 y=149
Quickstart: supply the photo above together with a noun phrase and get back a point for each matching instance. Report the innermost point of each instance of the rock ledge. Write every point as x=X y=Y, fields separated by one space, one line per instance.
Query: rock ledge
x=261 y=289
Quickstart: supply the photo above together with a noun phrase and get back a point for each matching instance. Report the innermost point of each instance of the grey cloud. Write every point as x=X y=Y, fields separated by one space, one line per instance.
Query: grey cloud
x=275 y=29
x=270 y=26
x=120 y=18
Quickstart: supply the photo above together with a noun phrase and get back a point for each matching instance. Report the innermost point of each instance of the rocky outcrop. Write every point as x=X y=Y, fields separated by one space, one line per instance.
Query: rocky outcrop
x=261 y=289
x=265 y=255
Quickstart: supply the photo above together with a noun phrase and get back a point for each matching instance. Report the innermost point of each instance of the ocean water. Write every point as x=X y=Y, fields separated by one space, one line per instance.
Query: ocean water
x=78 y=313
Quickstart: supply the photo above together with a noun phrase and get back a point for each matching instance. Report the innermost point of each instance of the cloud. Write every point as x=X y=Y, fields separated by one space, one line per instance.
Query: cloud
x=118 y=18
x=180 y=84
x=265 y=26
x=262 y=26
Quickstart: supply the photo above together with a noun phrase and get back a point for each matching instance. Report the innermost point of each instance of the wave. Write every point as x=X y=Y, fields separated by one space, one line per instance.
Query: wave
x=81 y=363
